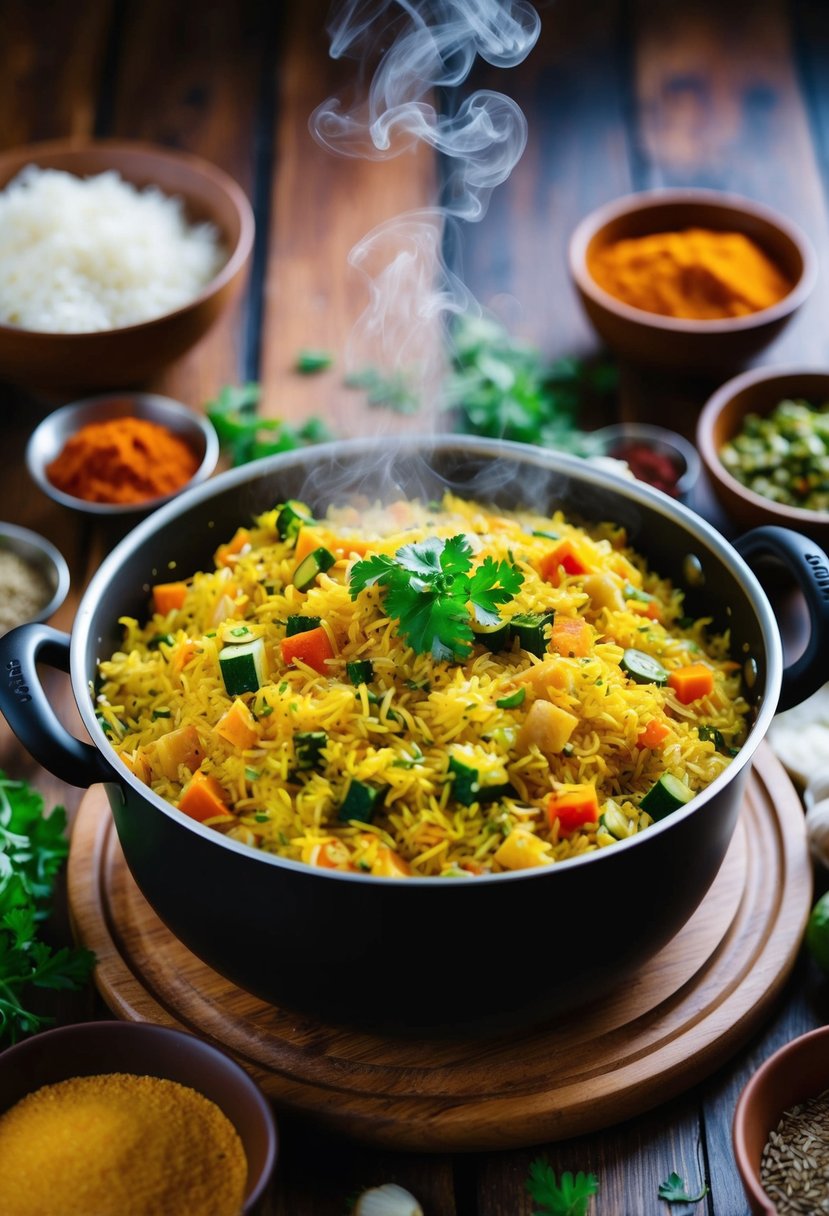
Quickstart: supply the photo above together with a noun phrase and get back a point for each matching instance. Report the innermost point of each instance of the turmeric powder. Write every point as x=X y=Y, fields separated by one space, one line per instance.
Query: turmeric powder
x=699 y=274
x=119 y=1145
x=122 y=460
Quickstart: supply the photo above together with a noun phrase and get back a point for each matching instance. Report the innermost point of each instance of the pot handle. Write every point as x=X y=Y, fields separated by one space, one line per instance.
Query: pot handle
x=810 y=565
x=26 y=708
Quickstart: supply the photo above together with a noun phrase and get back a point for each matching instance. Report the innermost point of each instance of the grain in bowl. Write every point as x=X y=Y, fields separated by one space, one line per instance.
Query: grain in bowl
x=81 y=255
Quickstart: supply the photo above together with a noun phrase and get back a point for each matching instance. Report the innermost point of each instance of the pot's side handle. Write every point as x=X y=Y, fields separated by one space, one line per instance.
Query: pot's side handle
x=26 y=708
x=810 y=566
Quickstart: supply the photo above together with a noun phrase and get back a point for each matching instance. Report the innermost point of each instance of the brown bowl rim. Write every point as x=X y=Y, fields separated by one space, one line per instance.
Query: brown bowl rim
x=705 y=426
x=750 y=1177
x=240 y=1080
x=237 y=257
x=653 y=200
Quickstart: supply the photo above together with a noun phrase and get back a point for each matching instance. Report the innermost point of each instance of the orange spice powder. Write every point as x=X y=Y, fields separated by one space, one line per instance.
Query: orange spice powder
x=122 y=460
x=697 y=273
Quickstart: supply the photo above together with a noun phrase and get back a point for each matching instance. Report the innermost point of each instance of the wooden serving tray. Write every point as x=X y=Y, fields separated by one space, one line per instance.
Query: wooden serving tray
x=677 y=1020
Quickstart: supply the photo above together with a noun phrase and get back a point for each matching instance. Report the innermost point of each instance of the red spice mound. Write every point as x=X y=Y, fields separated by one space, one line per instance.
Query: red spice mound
x=121 y=461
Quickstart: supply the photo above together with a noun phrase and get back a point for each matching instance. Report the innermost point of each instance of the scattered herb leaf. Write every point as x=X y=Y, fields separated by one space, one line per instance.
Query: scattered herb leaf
x=310 y=361
x=569 y=1197
x=33 y=847
x=245 y=436
x=672 y=1190
x=429 y=586
x=391 y=391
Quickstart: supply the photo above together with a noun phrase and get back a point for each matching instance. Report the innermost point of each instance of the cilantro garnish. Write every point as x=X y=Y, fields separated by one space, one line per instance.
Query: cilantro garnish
x=430 y=588
x=569 y=1197
x=672 y=1190
x=244 y=435
x=32 y=849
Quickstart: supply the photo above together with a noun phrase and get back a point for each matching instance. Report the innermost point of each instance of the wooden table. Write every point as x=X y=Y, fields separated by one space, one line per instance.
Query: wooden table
x=619 y=97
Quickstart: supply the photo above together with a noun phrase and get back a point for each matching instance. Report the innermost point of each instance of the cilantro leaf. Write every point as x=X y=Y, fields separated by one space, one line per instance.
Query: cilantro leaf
x=672 y=1190
x=32 y=849
x=429 y=589
x=569 y=1197
x=245 y=436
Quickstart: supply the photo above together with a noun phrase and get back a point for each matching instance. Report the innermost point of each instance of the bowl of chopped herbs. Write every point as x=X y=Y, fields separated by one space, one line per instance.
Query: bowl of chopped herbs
x=764 y=440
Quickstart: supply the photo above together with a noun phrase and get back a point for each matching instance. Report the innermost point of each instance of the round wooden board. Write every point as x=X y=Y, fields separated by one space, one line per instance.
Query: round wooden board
x=677 y=1020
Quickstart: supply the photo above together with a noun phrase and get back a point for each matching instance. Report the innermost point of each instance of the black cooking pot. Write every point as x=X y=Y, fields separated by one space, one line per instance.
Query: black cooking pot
x=422 y=952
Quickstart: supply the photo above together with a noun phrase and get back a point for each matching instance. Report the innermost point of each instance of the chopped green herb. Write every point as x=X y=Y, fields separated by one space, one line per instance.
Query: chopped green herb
x=245 y=436
x=513 y=700
x=265 y=711
x=569 y=1197
x=252 y=774
x=391 y=391
x=359 y=671
x=260 y=818
x=672 y=1190
x=160 y=713
x=429 y=586
x=310 y=361
x=710 y=734
x=33 y=847
x=166 y=638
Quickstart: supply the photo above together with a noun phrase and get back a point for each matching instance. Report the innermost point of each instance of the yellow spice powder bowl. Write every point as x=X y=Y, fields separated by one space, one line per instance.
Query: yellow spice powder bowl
x=684 y=344
x=142 y=1049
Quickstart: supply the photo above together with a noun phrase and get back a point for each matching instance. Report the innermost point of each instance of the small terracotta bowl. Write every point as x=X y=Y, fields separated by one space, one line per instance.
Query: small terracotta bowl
x=676 y=343
x=94 y=1048
x=758 y=392
x=42 y=554
x=47 y=440
x=115 y=358
x=798 y=1071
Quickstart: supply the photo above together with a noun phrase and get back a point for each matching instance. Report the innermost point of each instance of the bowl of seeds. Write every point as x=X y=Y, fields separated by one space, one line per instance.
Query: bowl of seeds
x=781 y=1130
x=34 y=577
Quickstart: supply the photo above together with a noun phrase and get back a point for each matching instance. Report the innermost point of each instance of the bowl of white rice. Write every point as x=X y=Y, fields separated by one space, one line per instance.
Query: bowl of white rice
x=115 y=259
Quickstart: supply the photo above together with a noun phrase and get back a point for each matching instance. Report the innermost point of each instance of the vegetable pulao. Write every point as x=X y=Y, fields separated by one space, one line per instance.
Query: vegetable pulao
x=423 y=689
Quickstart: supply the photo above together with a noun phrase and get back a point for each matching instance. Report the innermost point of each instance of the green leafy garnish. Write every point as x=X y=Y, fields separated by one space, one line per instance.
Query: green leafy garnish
x=245 y=436
x=33 y=847
x=391 y=391
x=569 y=1197
x=505 y=389
x=431 y=587
x=672 y=1190
x=310 y=361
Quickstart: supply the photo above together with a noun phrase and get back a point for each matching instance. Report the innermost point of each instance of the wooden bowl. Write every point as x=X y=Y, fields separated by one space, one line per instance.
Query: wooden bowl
x=677 y=343
x=118 y=357
x=798 y=1071
x=96 y=1048
x=48 y=438
x=757 y=392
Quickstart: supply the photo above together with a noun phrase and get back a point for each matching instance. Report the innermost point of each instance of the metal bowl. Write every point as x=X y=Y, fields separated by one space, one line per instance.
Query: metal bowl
x=43 y=555
x=47 y=441
x=609 y=440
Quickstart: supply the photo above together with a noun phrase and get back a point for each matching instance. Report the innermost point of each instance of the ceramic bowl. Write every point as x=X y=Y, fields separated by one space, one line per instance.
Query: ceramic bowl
x=49 y=437
x=757 y=392
x=798 y=1071
x=96 y=1048
x=678 y=343
x=119 y=357
x=37 y=551
x=625 y=438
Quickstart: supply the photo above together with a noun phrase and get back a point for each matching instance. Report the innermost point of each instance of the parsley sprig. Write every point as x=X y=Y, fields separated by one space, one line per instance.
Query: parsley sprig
x=569 y=1197
x=33 y=847
x=430 y=588
x=672 y=1190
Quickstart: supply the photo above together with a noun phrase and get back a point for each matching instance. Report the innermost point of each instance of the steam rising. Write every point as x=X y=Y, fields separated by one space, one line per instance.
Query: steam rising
x=421 y=47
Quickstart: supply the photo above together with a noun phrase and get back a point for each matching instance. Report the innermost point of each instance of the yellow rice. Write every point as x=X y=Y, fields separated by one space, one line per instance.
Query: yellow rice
x=399 y=732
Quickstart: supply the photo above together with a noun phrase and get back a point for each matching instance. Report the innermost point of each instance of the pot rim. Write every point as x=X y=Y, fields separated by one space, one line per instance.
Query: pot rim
x=547 y=459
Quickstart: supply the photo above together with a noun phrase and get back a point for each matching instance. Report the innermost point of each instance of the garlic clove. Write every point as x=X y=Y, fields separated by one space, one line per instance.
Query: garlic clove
x=817 y=830
x=387 y=1200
